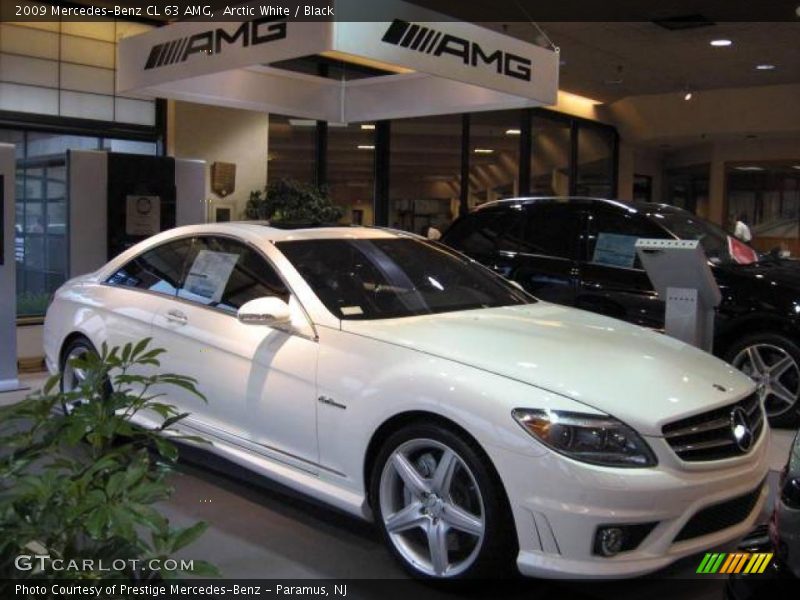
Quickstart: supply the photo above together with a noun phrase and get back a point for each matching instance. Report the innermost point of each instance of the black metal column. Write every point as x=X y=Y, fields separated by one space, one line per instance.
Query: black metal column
x=321 y=154
x=573 y=159
x=463 y=206
x=525 y=138
x=380 y=200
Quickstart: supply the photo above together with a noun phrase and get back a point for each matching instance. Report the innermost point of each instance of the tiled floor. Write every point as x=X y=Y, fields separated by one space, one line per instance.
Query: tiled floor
x=262 y=530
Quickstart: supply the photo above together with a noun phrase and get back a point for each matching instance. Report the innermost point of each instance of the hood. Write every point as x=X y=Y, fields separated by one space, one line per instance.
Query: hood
x=784 y=273
x=644 y=378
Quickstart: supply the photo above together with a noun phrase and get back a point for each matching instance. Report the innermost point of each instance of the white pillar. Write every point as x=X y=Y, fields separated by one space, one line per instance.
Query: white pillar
x=8 y=274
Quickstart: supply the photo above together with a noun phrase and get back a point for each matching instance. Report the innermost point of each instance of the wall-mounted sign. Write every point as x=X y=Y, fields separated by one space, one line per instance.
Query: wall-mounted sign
x=223 y=178
x=437 y=65
x=142 y=215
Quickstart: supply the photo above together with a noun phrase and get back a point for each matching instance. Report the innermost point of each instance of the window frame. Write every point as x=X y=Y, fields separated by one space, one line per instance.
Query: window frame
x=248 y=244
x=245 y=245
x=587 y=231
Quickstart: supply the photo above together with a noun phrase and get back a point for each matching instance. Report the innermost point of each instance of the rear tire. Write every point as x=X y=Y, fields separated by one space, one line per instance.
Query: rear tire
x=773 y=361
x=72 y=377
x=440 y=506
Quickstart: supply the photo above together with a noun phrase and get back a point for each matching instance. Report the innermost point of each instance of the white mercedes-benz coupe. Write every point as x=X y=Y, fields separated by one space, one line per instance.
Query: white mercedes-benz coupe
x=402 y=382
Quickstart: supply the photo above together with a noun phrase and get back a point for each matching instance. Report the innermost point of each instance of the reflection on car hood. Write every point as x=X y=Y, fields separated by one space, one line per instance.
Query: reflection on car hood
x=644 y=378
x=783 y=273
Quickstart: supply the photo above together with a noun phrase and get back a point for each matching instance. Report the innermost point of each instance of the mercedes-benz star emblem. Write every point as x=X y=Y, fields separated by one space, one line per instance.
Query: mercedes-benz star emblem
x=740 y=429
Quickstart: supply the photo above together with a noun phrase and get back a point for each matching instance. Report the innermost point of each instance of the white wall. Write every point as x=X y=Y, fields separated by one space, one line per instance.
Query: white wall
x=213 y=134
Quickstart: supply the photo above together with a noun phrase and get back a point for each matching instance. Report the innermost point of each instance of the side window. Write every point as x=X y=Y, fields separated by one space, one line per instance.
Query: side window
x=487 y=231
x=225 y=274
x=157 y=270
x=552 y=230
x=613 y=235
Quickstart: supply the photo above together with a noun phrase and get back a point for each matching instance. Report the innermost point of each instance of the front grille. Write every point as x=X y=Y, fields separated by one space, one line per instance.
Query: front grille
x=719 y=516
x=709 y=436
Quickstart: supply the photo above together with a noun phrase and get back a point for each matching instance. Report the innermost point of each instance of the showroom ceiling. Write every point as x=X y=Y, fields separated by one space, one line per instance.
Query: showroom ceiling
x=609 y=61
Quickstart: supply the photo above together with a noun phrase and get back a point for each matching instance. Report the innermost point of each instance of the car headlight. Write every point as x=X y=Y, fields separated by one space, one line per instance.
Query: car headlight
x=600 y=440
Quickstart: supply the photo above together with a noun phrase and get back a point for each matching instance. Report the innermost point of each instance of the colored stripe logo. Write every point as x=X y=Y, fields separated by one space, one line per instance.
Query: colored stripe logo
x=735 y=562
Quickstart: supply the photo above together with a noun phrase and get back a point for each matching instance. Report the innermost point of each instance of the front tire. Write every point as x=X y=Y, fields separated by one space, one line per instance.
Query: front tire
x=440 y=506
x=772 y=360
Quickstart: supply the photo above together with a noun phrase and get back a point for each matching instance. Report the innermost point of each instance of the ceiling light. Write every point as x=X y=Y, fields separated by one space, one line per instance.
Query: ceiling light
x=749 y=168
x=365 y=147
x=513 y=131
x=722 y=43
x=765 y=67
x=483 y=151
x=796 y=167
x=368 y=126
x=688 y=95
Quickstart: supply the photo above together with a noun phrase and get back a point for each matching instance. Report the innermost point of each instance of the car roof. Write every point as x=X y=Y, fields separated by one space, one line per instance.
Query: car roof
x=646 y=207
x=263 y=230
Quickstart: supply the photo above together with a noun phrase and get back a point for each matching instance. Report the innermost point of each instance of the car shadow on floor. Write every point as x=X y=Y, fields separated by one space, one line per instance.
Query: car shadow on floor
x=262 y=529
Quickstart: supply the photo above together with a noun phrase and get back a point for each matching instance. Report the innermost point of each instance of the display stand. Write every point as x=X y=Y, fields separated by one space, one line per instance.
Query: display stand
x=680 y=273
x=8 y=276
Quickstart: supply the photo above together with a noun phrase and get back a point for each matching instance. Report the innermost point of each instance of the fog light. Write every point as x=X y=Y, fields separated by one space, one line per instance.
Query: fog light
x=609 y=541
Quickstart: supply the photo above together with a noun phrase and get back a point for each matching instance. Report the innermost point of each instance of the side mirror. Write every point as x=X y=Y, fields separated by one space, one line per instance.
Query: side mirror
x=268 y=311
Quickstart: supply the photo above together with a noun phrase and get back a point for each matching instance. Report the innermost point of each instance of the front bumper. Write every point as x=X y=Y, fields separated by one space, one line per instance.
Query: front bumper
x=559 y=503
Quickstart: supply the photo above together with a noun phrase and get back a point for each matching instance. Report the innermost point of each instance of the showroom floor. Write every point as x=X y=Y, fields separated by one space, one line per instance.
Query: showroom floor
x=265 y=531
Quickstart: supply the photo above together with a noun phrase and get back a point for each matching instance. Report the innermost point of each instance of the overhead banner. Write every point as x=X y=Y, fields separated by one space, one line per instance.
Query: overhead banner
x=449 y=65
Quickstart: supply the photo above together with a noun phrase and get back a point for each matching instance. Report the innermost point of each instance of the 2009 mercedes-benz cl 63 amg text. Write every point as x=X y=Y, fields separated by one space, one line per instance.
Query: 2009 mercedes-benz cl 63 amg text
x=400 y=381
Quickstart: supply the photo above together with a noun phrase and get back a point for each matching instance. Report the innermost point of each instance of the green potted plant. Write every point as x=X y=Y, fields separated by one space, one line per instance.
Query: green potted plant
x=83 y=485
x=288 y=200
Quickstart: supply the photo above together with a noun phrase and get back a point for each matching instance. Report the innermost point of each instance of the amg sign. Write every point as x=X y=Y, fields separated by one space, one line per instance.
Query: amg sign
x=250 y=33
x=436 y=43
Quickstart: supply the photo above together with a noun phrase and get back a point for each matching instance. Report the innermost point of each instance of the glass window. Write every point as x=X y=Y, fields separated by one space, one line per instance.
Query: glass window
x=766 y=197
x=552 y=230
x=613 y=235
x=487 y=231
x=550 y=156
x=494 y=156
x=351 y=167
x=41 y=239
x=425 y=172
x=157 y=270
x=291 y=148
x=687 y=187
x=225 y=274
x=595 y=168
x=386 y=278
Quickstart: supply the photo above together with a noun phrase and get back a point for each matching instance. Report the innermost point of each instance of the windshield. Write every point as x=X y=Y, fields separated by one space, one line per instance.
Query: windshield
x=385 y=278
x=686 y=226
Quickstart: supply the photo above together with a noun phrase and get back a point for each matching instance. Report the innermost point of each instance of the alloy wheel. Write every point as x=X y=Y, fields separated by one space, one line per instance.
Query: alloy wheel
x=776 y=373
x=73 y=377
x=432 y=508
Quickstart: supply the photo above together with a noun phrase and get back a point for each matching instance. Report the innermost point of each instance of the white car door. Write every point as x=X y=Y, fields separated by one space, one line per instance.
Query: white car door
x=260 y=382
x=131 y=295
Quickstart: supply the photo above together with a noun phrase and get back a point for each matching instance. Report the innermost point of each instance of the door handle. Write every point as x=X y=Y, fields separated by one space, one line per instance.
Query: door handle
x=177 y=316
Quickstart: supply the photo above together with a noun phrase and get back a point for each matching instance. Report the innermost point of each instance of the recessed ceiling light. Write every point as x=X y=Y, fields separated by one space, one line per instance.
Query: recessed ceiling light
x=749 y=168
x=365 y=147
x=765 y=67
x=483 y=151
x=688 y=96
x=721 y=43
x=513 y=132
x=368 y=126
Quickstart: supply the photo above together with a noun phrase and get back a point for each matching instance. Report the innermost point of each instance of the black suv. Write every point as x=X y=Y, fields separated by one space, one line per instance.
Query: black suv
x=579 y=252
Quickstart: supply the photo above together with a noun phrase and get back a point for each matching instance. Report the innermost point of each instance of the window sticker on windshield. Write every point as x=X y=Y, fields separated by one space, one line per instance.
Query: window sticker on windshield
x=209 y=274
x=349 y=311
x=615 y=250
